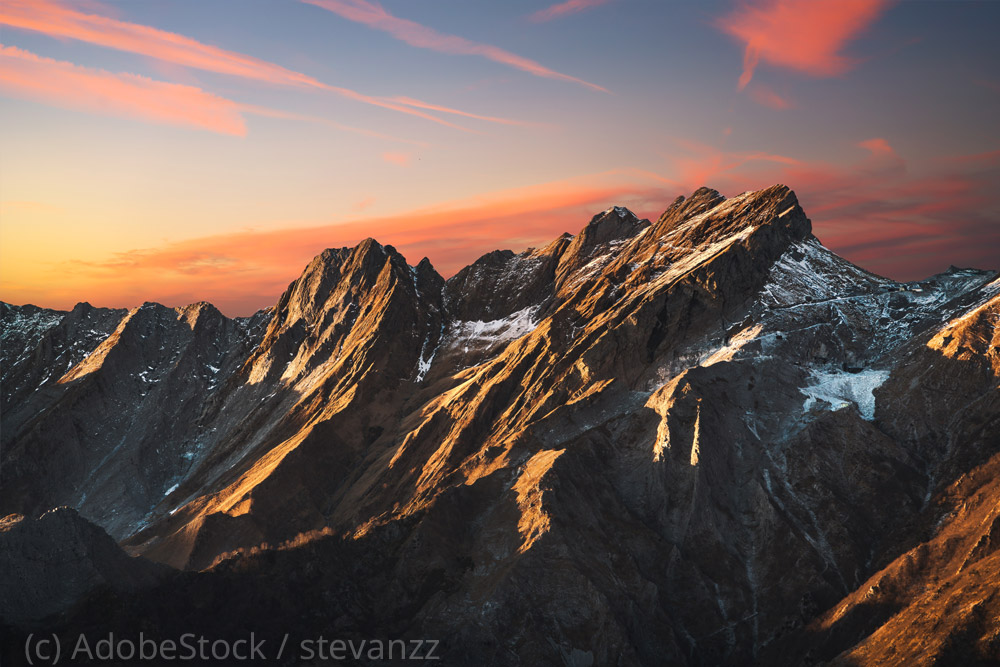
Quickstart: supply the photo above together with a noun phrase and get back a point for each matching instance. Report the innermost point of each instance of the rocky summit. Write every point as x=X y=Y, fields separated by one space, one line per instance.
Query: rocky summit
x=700 y=440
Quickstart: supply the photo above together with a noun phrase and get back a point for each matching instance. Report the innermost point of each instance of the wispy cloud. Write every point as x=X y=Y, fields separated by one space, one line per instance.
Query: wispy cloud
x=802 y=35
x=564 y=9
x=57 y=19
x=28 y=76
x=986 y=157
x=243 y=271
x=702 y=164
x=420 y=36
x=25 y=75
x=931 y=220
x=877 y=147
x=410 y=102
x=882 y=160
x=767 y=97
x=400 y=159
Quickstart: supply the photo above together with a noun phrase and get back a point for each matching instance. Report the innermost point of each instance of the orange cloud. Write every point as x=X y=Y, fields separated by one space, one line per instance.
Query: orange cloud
x=946 y=216
x=56 y=19
x=401 y=159
x=28 y=76
x=882 y=158
x=410 y=102
x=420 y=36
x=763 y=95
x=878 y=147
x=707 y=165
x=564 y=9
x=802 y=35
x=977 y=158
x=243 y=271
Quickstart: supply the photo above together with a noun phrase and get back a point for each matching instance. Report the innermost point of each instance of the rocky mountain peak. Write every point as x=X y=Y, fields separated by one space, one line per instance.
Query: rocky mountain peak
x=711 y=218
x=369 y=255
x=610 y=227
x=306 y=299
x=82 y=308
x=425 y=265
x=200 y=314
x=701 y=200
x=341 y=299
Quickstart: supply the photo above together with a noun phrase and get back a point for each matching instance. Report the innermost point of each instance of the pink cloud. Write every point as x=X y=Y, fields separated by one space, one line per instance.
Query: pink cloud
x=410 y=102
x=882 y=158
x=28 y=76
x=420 y=36
x=400 y=159
x=56 y=19
x=802 y=35
x=564 y=9
x=707 y=165
x=977 y=158
x=877 y=146
x=763 y=95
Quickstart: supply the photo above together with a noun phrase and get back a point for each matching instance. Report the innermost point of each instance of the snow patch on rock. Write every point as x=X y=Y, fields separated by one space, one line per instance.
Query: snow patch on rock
x=840 y=389
x=424 y=363
x=478 y=333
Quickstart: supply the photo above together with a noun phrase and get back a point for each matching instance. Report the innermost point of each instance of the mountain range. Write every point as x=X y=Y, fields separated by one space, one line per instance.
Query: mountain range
x=700 y=440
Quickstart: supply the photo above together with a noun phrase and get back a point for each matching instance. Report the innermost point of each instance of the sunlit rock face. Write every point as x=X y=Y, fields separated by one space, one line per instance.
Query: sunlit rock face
x=701 y=440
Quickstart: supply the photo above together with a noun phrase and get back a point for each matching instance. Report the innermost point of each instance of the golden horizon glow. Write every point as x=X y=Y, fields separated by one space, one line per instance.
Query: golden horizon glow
x=184 y=152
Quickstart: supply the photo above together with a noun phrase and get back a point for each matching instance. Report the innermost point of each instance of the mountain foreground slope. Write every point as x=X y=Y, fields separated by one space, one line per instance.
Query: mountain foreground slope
x=700 y=440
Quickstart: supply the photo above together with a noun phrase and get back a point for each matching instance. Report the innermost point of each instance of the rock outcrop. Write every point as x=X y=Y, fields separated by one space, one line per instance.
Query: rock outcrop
x=50 y=563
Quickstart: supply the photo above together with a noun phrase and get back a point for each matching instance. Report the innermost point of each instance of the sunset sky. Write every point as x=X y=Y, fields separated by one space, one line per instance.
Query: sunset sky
x=187 y=150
